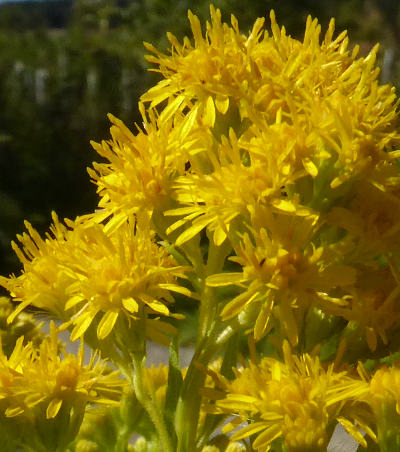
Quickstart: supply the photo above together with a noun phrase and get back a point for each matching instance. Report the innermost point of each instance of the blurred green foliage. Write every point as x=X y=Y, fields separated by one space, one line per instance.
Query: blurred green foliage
x=65 y=64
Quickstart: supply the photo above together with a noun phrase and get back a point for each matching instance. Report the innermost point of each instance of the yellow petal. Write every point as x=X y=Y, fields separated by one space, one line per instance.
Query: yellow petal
x=130 y=304
x=261 y=325
x=175 y=288
x=268 y=436
x=352 y=430
x=11 y=412
x=189 y=122
x=235 y=306
x=225 y=279
x=310 y=167
x=249 y=430
x=193 y=230
x=284 y=204
x=156 y=306
x=209 y=116
x=171 y=108
x=222 y=104
x=107 y=324
x=18 y=309
x=219 y=236
x=53 y=408
x=82 y=324
x=73 y=301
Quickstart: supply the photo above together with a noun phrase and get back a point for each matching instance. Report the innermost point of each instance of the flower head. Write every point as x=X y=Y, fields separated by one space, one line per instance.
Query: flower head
x=44 y=280
x=39 y=378
x=283 y=274
x=298 y=400
x=317 y=87
x=138 y=175
x=124 y=276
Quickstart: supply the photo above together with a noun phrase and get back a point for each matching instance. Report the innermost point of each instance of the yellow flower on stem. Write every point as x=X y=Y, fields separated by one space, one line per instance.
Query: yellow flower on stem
x=242 y=179
x=44 y=280
x=373 y=306
x=372 y=220
x=298 y=400
x=140 y=169
x=384 y=400
x=283 y=274
x=262 y=79
x=38 y=386
x=41 y=376
x=125 y=276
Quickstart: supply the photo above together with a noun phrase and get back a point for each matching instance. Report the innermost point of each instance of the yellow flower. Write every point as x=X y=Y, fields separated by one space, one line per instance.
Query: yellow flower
x=243 y=178
x=372 y=220
x=44 y=280
x=137 y=177
x=373 y=305
x=39 y=378
x=384 y=399
x=124 y=276
x=262 y=79
x=24 y=325
x=298 y=400
x=296 y=127
x=89 y=274
x=385 y=388
x=283 y=274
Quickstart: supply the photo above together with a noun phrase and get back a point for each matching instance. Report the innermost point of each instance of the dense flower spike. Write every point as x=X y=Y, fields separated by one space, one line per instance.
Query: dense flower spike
x=269 y=168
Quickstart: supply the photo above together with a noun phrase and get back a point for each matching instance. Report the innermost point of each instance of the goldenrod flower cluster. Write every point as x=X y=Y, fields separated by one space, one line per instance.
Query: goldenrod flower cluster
x=38 y=386
x=264 y=184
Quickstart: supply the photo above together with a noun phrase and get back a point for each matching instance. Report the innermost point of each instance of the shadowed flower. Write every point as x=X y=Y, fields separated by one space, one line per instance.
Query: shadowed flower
x=299 y=400
x=44 y=280
x=41 y=377
x=384 y=400
x=283 y=274
x=41 y=390
x=373 y=305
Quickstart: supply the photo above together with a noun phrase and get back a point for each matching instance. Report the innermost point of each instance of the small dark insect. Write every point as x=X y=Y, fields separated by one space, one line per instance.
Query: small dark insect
x=283 y=191
x=135 y=227
x=187 y=166
x=262 y=261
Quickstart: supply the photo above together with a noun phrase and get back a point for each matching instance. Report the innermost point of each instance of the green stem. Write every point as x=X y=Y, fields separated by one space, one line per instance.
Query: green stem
x=209 y=301
x=188 y=407
x=122 y=439
x=149 y=405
